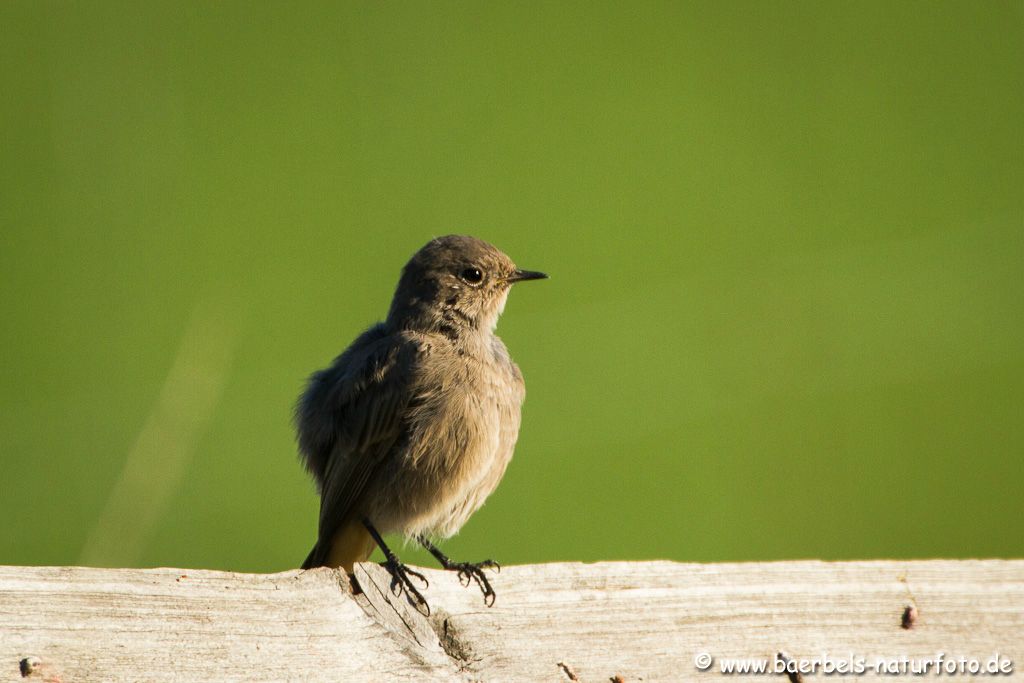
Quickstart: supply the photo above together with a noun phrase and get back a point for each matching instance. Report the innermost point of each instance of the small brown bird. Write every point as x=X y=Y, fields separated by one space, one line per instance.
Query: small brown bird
x=411 y=428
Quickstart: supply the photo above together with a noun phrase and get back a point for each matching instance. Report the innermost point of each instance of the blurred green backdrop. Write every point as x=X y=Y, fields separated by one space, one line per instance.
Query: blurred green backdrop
x=786 y=240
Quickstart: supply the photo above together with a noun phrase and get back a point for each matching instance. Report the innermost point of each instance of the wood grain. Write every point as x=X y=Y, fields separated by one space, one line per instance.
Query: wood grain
x=636 y=620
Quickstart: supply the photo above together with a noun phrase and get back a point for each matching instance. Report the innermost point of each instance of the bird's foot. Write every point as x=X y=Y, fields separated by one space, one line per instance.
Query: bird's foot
x=400 y=582
x=467 y=571
x=474 y=571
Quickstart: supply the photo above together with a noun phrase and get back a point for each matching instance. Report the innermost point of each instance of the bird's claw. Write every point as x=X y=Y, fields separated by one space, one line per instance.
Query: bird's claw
x=475 y=571
x=400 y=582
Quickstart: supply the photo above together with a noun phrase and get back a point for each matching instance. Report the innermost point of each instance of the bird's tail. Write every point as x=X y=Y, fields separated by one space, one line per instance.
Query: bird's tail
x=351 y=543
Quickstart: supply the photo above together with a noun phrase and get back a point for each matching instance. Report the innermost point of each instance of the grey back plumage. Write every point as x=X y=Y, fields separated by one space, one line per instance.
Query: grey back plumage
x=350 y=418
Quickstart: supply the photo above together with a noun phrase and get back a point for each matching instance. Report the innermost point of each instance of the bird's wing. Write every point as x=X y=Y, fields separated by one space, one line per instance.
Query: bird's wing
x=364 y=397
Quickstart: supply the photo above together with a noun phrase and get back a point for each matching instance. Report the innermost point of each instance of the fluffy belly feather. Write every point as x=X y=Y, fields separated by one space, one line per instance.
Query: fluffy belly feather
x=454 y=459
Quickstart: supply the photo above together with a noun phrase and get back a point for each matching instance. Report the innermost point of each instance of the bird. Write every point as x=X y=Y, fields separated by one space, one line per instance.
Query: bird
x=412 y=427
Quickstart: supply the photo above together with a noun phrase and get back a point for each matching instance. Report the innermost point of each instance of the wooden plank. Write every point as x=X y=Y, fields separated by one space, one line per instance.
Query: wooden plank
x=636 y=620
x=191 y=625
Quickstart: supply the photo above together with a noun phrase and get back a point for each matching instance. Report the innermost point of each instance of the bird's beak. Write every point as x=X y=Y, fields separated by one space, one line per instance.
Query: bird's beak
x=520 y=275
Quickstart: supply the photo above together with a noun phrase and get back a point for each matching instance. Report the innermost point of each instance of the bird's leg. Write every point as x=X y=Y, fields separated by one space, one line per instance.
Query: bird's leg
x=400 y=573
x=466 y=570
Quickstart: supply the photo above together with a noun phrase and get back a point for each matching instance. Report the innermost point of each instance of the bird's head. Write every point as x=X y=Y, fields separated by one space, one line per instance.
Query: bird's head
x=453 y=285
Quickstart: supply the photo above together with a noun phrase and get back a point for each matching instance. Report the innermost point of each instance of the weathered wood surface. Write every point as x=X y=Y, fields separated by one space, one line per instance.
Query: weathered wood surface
x=637 y=620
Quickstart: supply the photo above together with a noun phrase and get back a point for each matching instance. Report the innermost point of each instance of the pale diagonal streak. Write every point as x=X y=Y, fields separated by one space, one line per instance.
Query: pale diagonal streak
x=154 y=467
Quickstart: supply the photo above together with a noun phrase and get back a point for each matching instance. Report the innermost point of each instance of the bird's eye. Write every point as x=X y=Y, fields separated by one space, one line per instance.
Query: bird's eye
x=472 y=275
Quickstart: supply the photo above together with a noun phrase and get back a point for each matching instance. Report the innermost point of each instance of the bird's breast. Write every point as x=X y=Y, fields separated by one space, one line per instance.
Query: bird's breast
x=462 y=434
x=467 y=415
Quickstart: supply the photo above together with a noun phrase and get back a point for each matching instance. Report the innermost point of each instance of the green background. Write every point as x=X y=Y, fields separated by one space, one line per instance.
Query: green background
x=786 y=241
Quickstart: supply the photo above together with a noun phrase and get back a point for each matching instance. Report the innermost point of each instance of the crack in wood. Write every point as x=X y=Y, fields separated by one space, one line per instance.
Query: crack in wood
x=433 y=640
x=452 y=642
